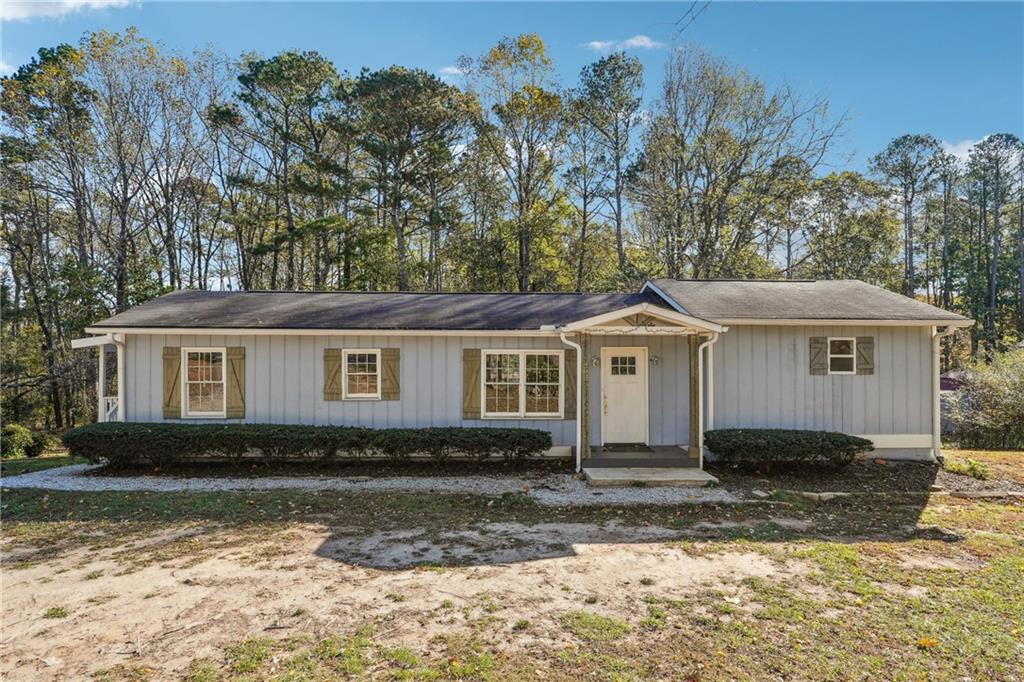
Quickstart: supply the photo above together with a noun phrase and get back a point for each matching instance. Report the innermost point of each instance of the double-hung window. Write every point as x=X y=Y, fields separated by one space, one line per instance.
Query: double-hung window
x=522 y=383
x=361 y=374
x=842 y=355
x=203 y=384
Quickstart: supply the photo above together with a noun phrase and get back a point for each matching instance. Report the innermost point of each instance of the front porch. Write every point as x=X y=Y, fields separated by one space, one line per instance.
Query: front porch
x=642 y=379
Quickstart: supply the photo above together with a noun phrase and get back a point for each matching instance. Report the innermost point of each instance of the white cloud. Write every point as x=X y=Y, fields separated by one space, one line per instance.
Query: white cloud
x=450 y=71
x=22 y=10
x=637 y=42
x=5 y=68
x=961 y=149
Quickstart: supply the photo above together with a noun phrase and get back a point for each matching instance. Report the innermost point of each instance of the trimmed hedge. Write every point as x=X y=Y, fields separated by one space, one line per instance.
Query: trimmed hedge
x=122 y=443
x=766 y=448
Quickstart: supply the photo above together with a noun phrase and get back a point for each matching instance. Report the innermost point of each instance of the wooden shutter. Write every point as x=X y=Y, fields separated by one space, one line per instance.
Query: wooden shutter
x=569 y=381
x=865 y=355
x=332 y=374
x=172 y=382
x=819 y=355
x=236 y=382
x=390 y=386
x=471 y=383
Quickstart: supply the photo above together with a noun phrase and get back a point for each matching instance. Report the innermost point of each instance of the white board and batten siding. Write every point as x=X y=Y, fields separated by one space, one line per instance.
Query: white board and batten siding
x=763 y=380
x=284 y=381
x=761 y=377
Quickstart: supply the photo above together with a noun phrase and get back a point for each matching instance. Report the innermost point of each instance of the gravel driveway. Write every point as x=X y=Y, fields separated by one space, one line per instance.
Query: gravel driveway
x=553 y=490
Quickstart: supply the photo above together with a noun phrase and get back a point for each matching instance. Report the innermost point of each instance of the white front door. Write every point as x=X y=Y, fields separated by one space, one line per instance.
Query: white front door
x=623 y=395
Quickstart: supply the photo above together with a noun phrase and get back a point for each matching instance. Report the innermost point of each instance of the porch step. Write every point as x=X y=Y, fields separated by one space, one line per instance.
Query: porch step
x=651 y=476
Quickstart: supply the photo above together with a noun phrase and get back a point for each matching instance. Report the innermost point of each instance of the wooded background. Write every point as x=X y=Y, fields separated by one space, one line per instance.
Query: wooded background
x=130 y=171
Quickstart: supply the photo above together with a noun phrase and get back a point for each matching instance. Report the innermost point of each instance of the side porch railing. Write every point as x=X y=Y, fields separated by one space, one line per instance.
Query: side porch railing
x=110 y=405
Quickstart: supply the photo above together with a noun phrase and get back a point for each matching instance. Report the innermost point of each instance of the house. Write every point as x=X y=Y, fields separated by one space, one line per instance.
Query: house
x=617 y=379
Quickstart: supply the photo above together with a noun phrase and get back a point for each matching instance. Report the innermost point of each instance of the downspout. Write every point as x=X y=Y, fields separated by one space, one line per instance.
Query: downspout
x=119 y=343
x=700 y=394
x=579 y=397
x=937 y=337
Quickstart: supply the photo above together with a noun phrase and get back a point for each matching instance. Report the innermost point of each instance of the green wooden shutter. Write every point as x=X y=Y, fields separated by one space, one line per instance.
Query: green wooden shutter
x=236 y=382
x=819 y=355
x=865 y=355
x=471 y=383
x=332 y=374
x=172 y=382
x=390 y=386
x=569 y=381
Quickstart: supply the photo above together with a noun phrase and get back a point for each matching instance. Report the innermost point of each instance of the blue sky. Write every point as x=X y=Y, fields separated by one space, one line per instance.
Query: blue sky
x=955 y=70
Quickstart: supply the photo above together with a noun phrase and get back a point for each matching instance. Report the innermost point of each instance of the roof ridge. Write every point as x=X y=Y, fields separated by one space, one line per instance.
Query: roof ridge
x=416 y=293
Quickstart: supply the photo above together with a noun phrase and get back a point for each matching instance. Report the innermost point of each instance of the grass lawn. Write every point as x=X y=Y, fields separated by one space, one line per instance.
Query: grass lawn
x=1006 y=464
x=312 y=586
x=48 y=460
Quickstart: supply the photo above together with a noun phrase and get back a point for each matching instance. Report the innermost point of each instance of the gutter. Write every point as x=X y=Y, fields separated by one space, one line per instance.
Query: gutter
x=579 y=397
x=700 y=393
x=937 y=337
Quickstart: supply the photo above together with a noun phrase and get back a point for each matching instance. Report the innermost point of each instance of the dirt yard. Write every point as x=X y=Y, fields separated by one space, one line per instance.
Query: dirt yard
x=297 y=586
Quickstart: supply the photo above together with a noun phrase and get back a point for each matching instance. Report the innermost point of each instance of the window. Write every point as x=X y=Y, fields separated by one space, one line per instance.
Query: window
x=842 y=357
x=203 y=383
x=361 y=374
x=522 y=383
x=623 y=365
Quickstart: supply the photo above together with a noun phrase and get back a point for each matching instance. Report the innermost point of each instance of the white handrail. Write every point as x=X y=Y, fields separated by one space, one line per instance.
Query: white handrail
x=110 y=405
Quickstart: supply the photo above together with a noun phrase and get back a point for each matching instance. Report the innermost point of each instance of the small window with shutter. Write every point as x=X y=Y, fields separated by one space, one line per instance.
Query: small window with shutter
x=361 y=374
x=842 y=355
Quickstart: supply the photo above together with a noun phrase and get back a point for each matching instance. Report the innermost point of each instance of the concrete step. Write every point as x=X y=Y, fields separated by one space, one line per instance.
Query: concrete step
x=648 y=476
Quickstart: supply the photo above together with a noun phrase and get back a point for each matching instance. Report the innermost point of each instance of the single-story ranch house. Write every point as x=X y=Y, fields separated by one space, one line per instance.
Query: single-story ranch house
x=612 y=377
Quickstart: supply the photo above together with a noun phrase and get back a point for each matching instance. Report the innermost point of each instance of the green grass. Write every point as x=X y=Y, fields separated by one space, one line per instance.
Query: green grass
x=24 y=465
x=592 y=627
x=55 y=612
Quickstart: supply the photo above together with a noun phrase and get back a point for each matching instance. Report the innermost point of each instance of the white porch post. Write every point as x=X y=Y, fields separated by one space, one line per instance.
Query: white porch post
x=119 y=342
x=101 y=386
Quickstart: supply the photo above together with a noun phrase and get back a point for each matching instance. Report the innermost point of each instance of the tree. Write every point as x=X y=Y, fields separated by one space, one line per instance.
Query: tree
x=909 y=162
x=851 y=233
x=410 y=123
x=994 y=158
x=586 y=180
x=715 y=161
x=609 y=98
x=520 y=121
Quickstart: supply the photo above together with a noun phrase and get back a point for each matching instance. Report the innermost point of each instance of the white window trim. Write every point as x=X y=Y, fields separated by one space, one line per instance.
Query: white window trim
x=522 y=413
x=185 y=412
x=852 y=354
x=345 y=395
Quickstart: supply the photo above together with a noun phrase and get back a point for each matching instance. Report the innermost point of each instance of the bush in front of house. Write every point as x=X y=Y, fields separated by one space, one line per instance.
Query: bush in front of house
x=768 y=448
x=987 y=411
x=15 y=441
x=159 y=444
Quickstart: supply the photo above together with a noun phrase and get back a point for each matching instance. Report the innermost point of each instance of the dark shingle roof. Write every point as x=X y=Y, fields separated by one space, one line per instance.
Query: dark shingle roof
x=357 y=310
x=846 y=299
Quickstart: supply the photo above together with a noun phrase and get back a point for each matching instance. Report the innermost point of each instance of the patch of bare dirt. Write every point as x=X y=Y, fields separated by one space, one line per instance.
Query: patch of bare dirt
x=166 y=602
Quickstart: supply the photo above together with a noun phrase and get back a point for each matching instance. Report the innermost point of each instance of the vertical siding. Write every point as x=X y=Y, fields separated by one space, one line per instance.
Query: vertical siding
x=284 y=381
x=762 y=379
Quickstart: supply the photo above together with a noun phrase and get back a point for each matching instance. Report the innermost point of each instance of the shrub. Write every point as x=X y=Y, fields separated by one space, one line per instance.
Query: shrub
x=767 y=448
x=122 y=443
x=40 y=442
x=15 y=439
x=967 y=467
x=988 y=409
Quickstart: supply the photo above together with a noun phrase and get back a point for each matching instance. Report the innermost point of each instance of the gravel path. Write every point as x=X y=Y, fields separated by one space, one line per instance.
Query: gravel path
x=553 y=490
